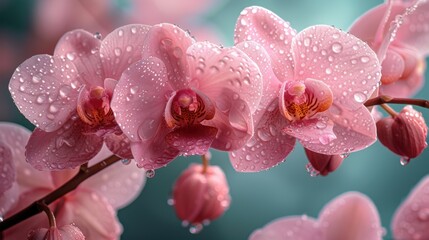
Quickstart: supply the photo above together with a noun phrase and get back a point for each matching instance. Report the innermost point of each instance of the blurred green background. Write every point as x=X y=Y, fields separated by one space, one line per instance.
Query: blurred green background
x=257 y=198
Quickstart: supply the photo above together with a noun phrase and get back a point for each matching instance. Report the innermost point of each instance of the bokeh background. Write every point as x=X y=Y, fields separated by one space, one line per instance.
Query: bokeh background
x=30 y=27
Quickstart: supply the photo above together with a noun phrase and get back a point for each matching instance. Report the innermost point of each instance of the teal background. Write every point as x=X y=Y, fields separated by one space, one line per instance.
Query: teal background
x=257 y=198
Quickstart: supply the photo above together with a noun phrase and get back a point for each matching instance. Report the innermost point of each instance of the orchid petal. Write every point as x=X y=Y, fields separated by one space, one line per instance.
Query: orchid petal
x=119 y=144
x=82 y=49
x=345 y=63
x=9 y=198
x=137 y=111
x=92 y=214
x=192 y=140
x=273 y=33
x=289 y=228
x=120 y=184
x=214 y=68
x=45 y=89
x=268 y=147
x=407 y=88
x=121 y=48
x=351 y=216
x=170 y=43
x=410 y=220
x=65 y=148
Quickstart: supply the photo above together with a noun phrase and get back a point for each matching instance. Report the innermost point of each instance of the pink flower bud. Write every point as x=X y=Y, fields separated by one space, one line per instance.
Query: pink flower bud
x=405 y=134
x=201 y=196
x=324 y=164
x=67 y=232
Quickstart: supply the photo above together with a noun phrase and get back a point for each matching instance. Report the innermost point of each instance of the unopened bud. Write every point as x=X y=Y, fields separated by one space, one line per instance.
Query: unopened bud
x=322 y=163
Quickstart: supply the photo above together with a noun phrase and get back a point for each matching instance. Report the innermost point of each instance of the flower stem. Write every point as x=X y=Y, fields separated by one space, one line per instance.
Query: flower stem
x=34 y=208
x=42 y=205
x=389 y=110
x=387 y=99
x=205 y=160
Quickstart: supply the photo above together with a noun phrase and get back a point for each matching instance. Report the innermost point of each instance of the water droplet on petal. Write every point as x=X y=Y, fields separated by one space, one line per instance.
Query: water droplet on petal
x=121 y=33
x=404 y=161
x=70 y=56
x=264 y=135
x=36 y=79
x=170 y=202
x=65 y=91
x=243 y=22
x=364 y=59
x=321 y=125
x=328 y=70
x=196 y=228
x=359 y=97
x=118 y=52
x=337 y=47
x=126 y=161
x=150 y=173
x=307 y=42
x=345 y=155
x=97 y=35
x=310 y=169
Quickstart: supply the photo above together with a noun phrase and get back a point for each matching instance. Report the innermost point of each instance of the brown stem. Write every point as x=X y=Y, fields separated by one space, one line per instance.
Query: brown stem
x=205 y=160
x=34 y=208
x=387 y=99
x=44 y=207
x=389 y=110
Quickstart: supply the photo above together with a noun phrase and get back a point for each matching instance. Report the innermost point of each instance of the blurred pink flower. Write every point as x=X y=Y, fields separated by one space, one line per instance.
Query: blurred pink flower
x=91 y=207
x=201 y=195
x=404 y=22
x=67 y=96
x=315 y=84
x=350 y=216
x=12 y=141
x=66 y=232
x=404 y=134
x=185 y=97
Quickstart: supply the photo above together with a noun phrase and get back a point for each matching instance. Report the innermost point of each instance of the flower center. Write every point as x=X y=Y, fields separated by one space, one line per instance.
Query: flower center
x=187 y=108
x=302 y=100
x=94 y=107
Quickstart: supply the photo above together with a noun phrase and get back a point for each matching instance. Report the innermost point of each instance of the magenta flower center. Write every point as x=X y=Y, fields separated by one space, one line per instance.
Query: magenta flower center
x=94 y=107
x=189 y=108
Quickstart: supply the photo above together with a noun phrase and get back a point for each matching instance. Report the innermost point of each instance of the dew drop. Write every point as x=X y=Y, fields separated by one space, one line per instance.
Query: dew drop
x=150 y=173
x=336 y=35
x=118 y=52
x=126 y=161
x=307 y=42
x=121 y=33
x=345 y=155
x=53 y=108
x=328 y=71
x=321 y=125
x=134 y=30
x=196 y=228
x=404 y=161
x=310 y=169
x=243 y=22
x=264 y=135
x=248 y=157
x=97 y=35
x=65 y=91
x=36 y=79
x=359 y=97
x=134 y=89
x=337 y=47
x=41 y=99
x=170 y=202
x=129 y=48
x=70 y=56
x=364 y=59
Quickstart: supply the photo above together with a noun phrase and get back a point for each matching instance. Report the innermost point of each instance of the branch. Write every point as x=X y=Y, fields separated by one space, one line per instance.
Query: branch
x=387 y=99
x=34 y=208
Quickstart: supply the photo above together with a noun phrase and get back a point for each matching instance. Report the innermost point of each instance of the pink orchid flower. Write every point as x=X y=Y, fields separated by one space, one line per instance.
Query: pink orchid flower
x=67 y=96
x=67 y=232
x=91 y=207
x=315 y=84
x=397 y=31
x=12 y=141
x=185 y=97
x=350 y=216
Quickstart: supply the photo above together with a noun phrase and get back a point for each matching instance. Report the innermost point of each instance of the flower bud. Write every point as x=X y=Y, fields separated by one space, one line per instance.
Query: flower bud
x=67 y=232
x=404 y=134
x=324 y=164
x=201 y=195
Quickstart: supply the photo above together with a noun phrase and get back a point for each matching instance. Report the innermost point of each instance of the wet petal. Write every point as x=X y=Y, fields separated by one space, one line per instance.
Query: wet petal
x=289 y=228
x=392 y=67
x=45 y=90
x=410 y=220
x=139 y=99
x=9 y=198
x=92 y=214
x=273 y=33
x=213 y=69
x=170 y=43
x=120 y=184
x=324 y=164
x=407 y=88
x=364 y=27
x=268 y=147
x=351 y=216
x=119 y=144
x=65 y=148
x=82 y=49
x=121 y=48
x=192 y=140
x=345 y=63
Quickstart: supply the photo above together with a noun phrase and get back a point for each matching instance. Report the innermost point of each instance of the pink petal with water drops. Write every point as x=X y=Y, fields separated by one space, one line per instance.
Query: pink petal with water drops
x=32 y=85
x=170 y=43
x=154 y=153
x=323 y=164
x=269 y=80
x=410 y=220
x=392 y=67
x=192 y=140
x=268 y=147
x=137 y=111
x=407 y=88
x=121 y=48
x=345 y=63
x=213 y=69
x=289 y=228
x=351 y=216
x=273 y=33
x=233 y=120
x=365 y=28
x=120 y=184
x=119 y=144
x=67 y=232
x=92 y=214
x=9 y=198
x=82 y=49
x=65 y=148
x=415 y=29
